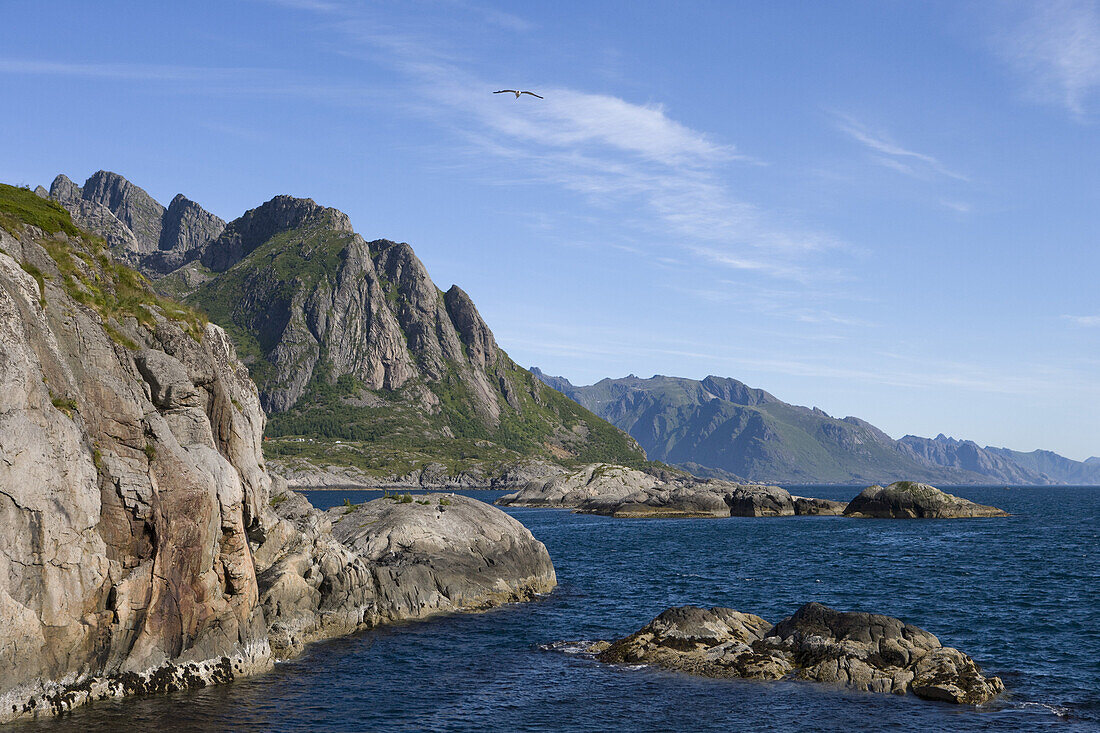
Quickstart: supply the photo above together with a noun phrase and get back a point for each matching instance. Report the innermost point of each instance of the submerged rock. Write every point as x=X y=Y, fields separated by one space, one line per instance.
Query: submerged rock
x=912 y=500
x=862 y=651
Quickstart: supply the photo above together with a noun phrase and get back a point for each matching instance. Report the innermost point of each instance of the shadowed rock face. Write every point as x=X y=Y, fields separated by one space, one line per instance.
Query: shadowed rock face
x=859 y=650
x=911 y=500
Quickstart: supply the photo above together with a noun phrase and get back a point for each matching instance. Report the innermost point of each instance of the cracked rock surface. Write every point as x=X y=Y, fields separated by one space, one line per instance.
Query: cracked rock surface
x=863 y=651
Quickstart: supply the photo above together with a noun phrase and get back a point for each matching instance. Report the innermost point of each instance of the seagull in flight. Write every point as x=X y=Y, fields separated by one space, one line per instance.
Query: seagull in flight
x=517 y=93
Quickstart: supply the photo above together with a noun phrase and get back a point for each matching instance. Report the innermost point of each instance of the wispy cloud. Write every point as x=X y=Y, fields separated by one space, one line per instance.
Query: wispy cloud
x=958 y=206
x=127 y=72
x=1085 y=321
x=1055 y=46
x=199 y=80
x=667 y=181
x=889 y=153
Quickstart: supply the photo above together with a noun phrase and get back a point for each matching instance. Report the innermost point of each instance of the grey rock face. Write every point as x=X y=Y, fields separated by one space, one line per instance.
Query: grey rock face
x=911 y=500
x=129 y=484
x=64 y=191
x=131 y=205
x=859 y=650
x=140 y=548
x=139 y=231
x=186 y=230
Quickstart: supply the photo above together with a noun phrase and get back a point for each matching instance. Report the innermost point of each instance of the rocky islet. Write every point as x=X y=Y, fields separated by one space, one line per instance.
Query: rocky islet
x=862 y=651
x=630 y=493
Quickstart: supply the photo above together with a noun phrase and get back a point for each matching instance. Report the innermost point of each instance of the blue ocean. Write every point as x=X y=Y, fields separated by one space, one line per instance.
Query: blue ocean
x=1020 y=595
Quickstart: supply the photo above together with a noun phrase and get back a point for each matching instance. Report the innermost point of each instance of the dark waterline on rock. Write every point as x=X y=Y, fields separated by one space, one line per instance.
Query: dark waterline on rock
x=1019 y=594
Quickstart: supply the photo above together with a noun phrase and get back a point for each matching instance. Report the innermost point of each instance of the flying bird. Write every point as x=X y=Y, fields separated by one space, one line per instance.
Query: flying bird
x=513 y=91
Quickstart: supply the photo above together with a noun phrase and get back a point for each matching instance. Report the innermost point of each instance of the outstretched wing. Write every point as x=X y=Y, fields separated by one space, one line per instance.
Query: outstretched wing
x=532 y=94
x=507 y=91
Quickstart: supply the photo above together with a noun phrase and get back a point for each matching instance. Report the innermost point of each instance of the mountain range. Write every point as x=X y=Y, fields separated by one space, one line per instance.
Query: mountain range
x=369 y=372
x=360 y=360
x=723 y=428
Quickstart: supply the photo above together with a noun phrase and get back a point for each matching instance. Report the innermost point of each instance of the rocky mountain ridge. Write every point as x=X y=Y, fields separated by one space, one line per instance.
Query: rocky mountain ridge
x=351 y=342
x=138 y=230
x=721 y=428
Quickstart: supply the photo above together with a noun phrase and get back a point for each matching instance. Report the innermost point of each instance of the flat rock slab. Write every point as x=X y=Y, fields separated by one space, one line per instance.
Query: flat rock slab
x=862 y=651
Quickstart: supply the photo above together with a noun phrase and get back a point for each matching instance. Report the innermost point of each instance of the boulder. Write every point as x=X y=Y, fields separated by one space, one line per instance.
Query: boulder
x=912 y=500
x=862 y=651
x=438 y=553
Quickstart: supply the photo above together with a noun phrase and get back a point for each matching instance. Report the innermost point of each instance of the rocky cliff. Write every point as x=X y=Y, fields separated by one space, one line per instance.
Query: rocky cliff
x=143 y=548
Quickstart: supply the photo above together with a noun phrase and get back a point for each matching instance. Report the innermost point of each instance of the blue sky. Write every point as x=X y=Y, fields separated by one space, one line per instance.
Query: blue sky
x=884 y=209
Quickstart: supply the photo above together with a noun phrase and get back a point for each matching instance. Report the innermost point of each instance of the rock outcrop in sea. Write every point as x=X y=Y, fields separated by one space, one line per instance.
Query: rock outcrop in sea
x=862 y=651
x=619 y=491
x=912 y=500
x=142 y=546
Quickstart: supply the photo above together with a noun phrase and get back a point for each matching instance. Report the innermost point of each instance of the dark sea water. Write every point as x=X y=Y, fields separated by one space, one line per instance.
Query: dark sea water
x=1020 y=595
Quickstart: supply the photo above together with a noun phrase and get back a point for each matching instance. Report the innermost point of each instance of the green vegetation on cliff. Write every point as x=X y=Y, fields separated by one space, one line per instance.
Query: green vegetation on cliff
x=86 y=271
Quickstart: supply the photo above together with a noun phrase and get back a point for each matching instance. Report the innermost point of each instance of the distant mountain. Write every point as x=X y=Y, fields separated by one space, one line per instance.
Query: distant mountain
x=723 y=428
x=349 y=342
x=1058 y=469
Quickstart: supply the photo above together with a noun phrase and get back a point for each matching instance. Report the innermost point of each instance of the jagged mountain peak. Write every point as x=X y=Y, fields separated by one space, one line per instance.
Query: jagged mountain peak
x=256 y=226
x=64 y=191
x=138 y=229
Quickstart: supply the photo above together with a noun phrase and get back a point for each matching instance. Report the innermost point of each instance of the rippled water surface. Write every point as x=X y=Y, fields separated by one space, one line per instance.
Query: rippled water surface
x=1020 y=595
